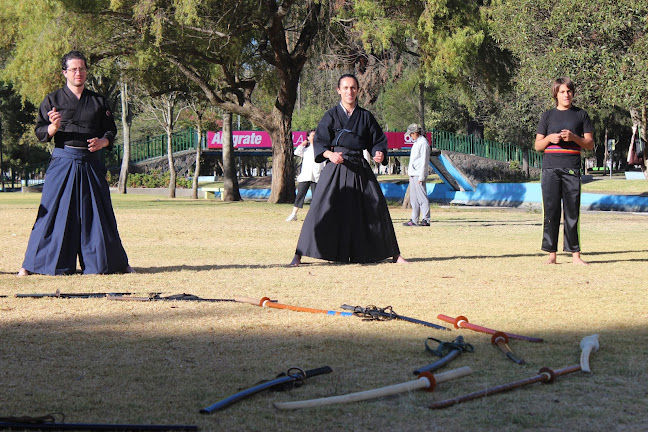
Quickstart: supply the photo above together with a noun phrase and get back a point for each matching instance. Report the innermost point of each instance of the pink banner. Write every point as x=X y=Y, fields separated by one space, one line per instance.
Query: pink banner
x=398 y=140
x=261 y=139
x=249 y=139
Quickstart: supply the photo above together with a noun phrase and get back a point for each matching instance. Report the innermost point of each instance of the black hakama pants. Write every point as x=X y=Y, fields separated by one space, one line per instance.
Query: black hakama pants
x=75 y=218
x=348 y=220
x=561 y=186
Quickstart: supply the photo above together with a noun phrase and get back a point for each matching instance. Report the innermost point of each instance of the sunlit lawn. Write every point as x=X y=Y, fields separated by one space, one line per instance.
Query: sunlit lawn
x=104 y=361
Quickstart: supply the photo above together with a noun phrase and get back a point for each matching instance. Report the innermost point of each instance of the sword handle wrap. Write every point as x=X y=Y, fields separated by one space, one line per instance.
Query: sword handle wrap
x=430 y=378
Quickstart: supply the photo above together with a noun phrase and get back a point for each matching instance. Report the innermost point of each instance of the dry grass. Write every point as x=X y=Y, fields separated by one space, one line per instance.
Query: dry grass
x=160 y=362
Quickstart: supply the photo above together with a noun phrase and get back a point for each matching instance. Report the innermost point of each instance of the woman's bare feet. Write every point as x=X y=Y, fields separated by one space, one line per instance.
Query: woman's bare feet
x=576 y=259
x=23 y=272
x=552 y=258
x=295 y=261
x=400 y=260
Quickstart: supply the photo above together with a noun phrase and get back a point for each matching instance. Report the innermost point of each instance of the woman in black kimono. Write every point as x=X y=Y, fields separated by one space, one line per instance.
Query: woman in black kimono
x=348 y=220
x=75 y=217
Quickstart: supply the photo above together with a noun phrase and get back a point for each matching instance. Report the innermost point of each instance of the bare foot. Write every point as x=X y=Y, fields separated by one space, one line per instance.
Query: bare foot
x=576 y=259
x=129 y=269
x=552 y=258
x=400 y=260
x=23 y=272
x=295 y=261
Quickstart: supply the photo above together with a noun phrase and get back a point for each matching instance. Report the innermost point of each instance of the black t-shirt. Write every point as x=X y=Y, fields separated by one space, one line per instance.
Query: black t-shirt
x=565 y=154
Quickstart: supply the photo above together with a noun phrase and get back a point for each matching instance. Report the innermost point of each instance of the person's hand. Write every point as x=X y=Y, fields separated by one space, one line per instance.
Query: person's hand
x=55 y=121
x=379 y=157
x=335 y=157
x=566 y=135
x=555 y=138
x=95 y=144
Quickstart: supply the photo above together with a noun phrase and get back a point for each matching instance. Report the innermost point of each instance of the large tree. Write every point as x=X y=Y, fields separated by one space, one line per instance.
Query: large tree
x=227 y=48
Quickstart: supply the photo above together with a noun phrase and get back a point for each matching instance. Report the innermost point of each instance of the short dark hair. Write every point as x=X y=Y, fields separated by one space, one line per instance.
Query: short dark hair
x=556 y=86
x=73 y=55
x=348 y=76
x=310 y=132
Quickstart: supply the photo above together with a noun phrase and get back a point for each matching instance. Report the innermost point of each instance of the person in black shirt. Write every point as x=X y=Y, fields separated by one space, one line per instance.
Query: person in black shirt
x=562 y=133
x=75 y=217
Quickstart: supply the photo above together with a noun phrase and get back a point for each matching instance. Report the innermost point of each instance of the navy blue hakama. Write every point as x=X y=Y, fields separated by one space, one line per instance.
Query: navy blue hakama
x=75 y=218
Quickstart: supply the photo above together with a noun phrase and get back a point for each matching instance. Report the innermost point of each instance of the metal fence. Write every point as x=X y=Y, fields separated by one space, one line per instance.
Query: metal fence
x=186 y=139
x=156 y=146
x=469 y=144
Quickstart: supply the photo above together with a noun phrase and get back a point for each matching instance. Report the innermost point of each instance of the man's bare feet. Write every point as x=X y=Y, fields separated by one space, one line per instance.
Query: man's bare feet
x=295 y=261
x=551 y=259
x=23 y=272
x=400 y=260
x=576 y=259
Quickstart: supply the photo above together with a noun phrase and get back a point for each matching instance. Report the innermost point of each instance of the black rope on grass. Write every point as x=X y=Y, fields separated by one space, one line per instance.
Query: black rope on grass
x=444 y=348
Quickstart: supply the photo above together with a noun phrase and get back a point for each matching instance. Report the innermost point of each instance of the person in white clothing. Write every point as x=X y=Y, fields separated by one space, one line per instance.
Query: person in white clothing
x=418 y=171
x=309 y=175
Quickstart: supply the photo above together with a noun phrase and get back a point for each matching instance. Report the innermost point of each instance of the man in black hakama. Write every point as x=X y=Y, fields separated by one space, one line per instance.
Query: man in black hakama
x=348 y=220
x=75 y=217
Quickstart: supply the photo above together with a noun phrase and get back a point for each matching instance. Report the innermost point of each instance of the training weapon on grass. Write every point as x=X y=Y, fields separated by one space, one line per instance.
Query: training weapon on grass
x=294 y=377
x=588 y=345
x=48 y=422
x=59 y=294
x=500 y=339
x=426 y=381
x=448 y=351
x=545 y=375
x=382 y=314
x=462 y=322
x=266 y=302
x=175 y=297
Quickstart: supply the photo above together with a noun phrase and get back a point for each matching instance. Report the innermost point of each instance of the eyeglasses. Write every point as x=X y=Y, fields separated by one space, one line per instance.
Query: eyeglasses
x=79 y=70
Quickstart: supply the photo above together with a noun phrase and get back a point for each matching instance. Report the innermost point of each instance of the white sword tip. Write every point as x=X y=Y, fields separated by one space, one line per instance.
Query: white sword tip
x=588 y=345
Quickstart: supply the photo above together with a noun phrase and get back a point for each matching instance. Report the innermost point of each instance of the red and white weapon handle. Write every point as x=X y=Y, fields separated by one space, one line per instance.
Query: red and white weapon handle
x=588 y=345
x=500 y=339
x=426 y=381
x=462 y=322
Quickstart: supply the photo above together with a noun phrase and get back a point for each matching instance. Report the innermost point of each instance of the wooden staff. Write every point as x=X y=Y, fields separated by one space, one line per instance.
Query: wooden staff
x=426 y=381
x=266 y=302
x=462 y=322
x=545 y=375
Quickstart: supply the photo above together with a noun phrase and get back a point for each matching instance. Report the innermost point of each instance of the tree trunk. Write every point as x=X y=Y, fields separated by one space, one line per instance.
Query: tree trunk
x=172 y=170
x=194 y=184
x=127 y=120
x=283 y=172
x=606 y=155
x=230 y=182
x=644 y=136
x=421 y=106
x=525 y=162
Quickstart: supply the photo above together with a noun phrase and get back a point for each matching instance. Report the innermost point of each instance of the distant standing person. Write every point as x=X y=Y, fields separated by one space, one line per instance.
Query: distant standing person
x=75 y=217
x=309 y=175
x=562 y=132
x=417 y=171
x=348 y=220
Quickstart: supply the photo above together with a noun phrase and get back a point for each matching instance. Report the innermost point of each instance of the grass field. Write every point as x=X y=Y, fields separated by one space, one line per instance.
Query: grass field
x=101 y=361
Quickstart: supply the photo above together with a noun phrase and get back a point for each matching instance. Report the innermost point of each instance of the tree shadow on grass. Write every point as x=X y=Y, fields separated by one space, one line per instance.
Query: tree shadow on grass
x=319 y=263
x=169 y=371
